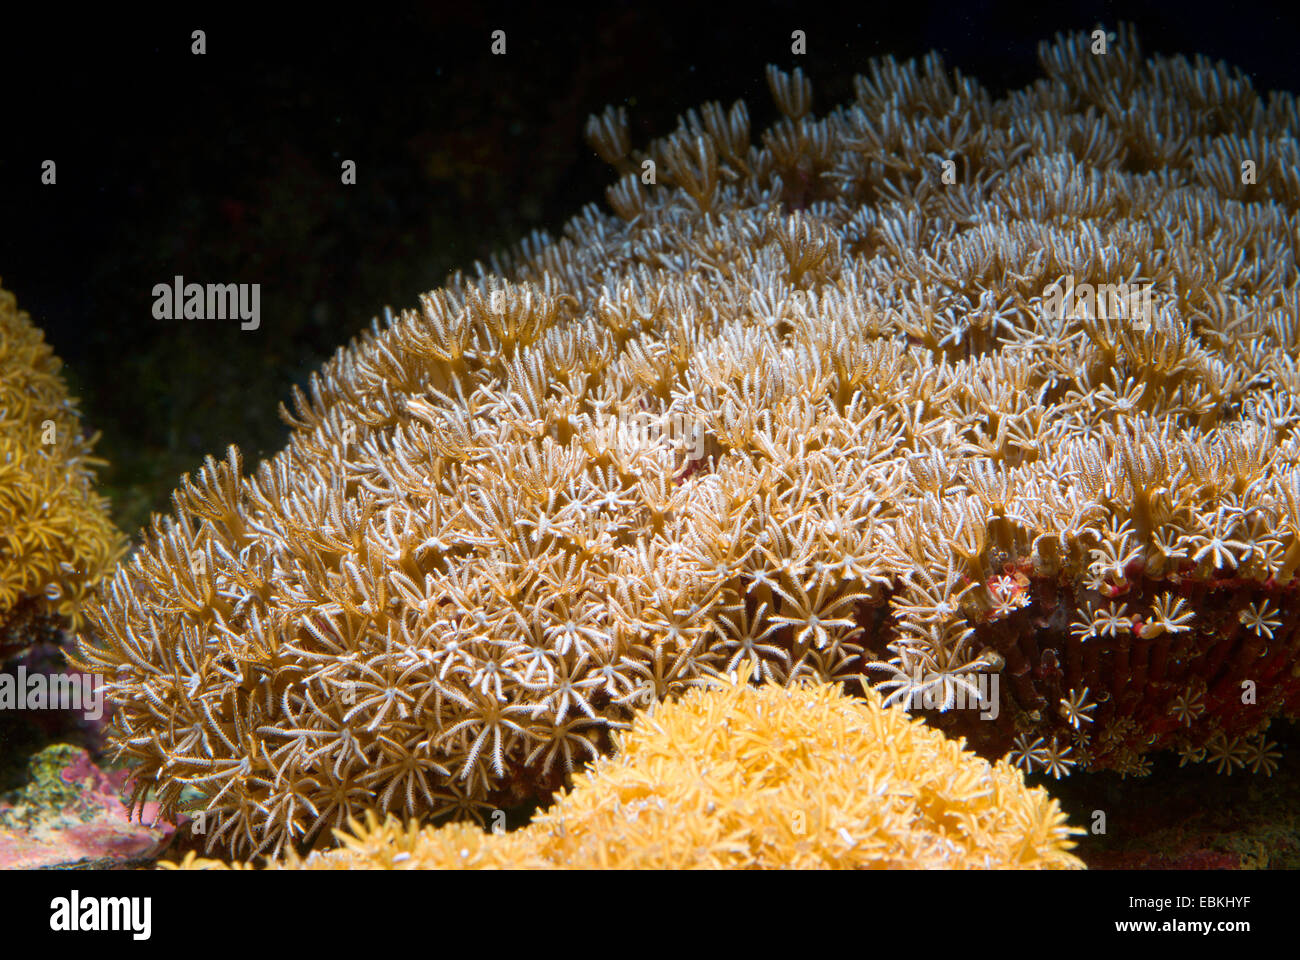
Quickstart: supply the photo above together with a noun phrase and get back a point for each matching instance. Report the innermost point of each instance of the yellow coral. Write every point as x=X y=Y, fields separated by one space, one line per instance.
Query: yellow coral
x=743 y=776
x=55 y=536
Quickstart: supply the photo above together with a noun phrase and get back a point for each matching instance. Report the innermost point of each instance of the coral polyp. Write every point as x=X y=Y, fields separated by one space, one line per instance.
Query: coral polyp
x=930 y=391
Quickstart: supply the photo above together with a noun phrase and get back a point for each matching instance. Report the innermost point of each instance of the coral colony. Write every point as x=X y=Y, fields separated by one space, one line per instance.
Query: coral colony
x=56 y=539
x=722 y=778
x=984 y=390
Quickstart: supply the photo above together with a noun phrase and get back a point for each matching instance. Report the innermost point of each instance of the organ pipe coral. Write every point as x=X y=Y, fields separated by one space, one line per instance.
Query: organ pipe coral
x=929 y=391
x=55 y=536
x=738 y=776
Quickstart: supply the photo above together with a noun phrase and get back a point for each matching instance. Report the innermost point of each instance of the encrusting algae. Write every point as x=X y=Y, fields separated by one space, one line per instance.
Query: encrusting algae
x=738 y=776
x=56 y=538
x=931 y=391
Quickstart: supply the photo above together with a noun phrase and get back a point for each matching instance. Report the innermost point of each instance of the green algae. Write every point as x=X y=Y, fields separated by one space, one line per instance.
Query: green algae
x=45 y=791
